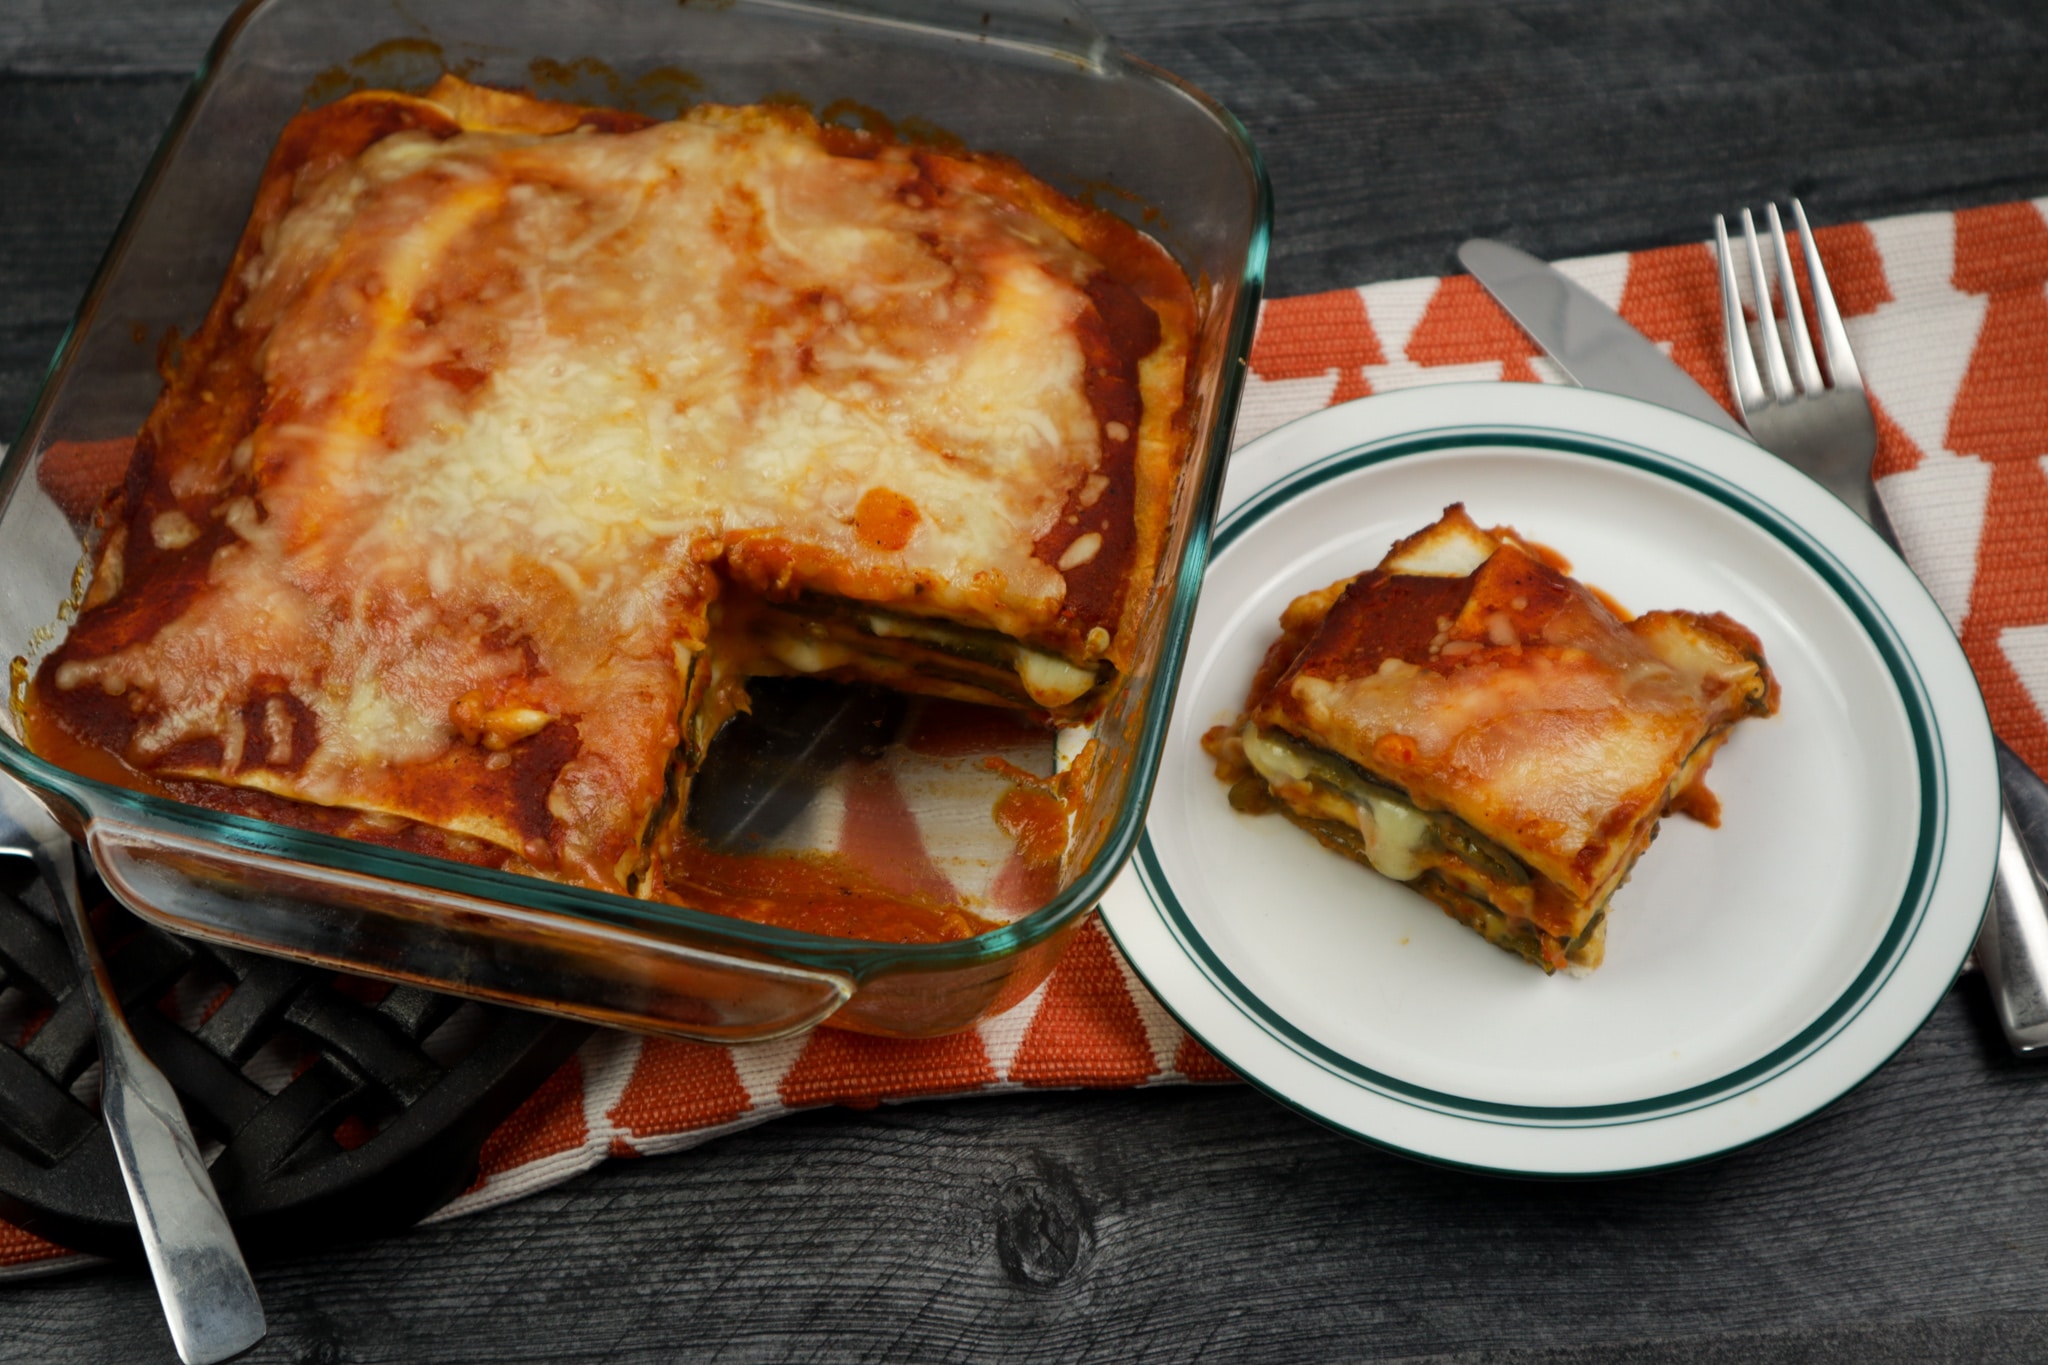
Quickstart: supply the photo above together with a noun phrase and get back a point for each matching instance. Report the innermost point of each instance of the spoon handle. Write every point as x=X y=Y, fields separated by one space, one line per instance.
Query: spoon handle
x=208 y=1298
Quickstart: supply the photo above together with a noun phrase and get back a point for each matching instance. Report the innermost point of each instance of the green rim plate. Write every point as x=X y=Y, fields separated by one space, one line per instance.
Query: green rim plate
x=1272 y=1037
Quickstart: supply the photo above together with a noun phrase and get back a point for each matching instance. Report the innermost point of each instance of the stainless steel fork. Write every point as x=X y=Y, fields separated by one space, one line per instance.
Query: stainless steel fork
x=1823 y=426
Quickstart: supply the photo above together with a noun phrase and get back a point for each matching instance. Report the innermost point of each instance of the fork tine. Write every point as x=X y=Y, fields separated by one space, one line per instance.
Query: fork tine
x=1766 y=316
x=1795 y=316
x=1834 y=338
x=1743 y=380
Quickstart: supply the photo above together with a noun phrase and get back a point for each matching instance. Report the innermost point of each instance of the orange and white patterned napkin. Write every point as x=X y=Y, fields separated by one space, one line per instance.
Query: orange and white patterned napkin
x=1948 y=314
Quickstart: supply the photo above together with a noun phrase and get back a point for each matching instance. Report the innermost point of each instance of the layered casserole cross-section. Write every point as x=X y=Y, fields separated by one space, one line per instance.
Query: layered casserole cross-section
x=520 y=434
x=1469 y=719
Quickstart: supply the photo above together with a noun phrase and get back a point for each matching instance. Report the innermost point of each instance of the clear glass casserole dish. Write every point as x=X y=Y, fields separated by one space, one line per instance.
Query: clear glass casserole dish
x=1032 y=79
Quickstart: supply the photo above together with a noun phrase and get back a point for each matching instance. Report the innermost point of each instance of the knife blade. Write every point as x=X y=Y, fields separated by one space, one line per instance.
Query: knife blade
x=1588 y=340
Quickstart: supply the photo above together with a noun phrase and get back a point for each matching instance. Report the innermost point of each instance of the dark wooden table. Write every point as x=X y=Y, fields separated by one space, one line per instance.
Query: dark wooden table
x=1909 y=1221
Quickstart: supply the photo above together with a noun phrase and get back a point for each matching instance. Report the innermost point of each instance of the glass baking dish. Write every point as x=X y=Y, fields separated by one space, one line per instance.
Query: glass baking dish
x=1030 y=78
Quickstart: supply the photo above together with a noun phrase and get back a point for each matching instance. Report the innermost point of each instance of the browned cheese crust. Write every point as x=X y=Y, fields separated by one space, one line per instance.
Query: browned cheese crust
x=520 y=433
x=1536 y=734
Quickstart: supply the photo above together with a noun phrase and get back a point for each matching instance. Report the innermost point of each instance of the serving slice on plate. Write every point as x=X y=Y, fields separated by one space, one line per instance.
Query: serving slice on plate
x=1755 y=971
x=1471 y=720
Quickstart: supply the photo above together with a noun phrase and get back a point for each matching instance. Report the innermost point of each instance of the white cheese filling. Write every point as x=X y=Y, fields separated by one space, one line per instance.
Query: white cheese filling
x=1395 y=833
x=1048 y=679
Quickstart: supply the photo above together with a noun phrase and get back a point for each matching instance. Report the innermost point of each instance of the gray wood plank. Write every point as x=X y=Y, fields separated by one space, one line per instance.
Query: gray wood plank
x=1394 y=130
x=1907 y=1222
x=71 y=151
x=106 y=37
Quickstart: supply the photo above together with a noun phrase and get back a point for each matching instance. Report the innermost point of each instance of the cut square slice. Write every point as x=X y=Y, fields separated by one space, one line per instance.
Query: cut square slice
x=1469 y=719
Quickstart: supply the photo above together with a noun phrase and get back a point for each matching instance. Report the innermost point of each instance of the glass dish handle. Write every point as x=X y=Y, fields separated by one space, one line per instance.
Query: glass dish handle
x=484 y=949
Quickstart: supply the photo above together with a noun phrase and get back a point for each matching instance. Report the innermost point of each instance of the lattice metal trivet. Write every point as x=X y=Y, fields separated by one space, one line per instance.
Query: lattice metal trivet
x=337 y=1107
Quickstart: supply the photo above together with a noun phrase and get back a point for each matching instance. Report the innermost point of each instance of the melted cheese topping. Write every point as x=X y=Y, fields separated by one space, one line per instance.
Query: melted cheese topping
x=1560 y=742
x=1532 y=713
x=527 y=397
x=581 y=406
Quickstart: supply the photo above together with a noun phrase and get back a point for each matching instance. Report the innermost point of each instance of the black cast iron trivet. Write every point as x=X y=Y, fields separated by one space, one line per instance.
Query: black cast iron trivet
x=338 y=1108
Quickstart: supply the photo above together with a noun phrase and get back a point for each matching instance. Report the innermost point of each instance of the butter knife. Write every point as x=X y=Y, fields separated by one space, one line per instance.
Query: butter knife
x=1598 y=350
x=1586 y=338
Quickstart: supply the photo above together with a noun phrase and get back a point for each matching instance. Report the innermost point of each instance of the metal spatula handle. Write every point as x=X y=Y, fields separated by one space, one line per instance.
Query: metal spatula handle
x=208 y=1298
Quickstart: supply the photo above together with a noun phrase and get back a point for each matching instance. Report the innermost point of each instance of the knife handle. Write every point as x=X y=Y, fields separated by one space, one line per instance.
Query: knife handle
x=2012 y=947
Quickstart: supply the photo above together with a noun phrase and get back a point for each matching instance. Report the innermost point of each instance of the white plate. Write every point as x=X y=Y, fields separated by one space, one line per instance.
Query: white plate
x=1753 y=973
